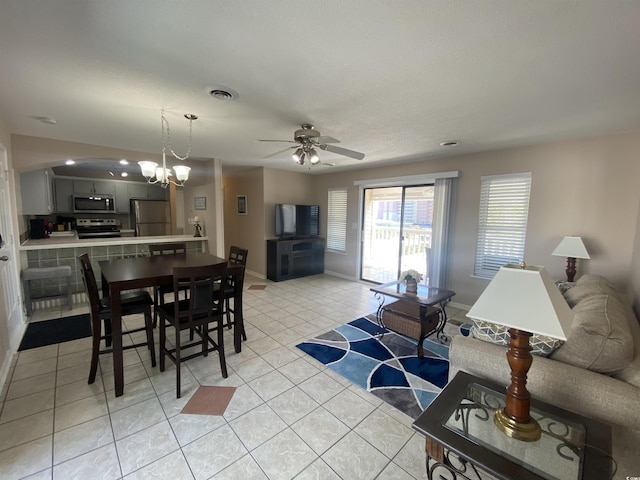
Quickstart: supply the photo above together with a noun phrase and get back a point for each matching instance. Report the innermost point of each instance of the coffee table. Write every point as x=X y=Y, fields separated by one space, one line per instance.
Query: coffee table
x=462 y=440
x=415 y=315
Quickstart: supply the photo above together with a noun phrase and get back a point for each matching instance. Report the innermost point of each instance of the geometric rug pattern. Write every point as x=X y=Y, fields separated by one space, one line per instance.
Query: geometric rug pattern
x=384 y=363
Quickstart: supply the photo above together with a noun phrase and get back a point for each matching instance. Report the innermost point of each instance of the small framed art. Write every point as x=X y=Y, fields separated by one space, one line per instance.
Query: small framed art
x=242 y=204
x=200 y=203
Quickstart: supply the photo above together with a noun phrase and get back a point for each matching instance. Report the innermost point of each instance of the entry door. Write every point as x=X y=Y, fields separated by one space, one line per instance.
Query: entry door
x=397 y=230
x=10 y=311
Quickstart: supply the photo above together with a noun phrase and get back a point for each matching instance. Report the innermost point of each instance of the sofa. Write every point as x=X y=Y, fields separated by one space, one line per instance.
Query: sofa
x=595 y=373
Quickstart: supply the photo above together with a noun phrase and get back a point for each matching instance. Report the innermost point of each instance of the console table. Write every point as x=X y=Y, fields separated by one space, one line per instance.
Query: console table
x=414 y=315
x=293 y=258
x=462 y=440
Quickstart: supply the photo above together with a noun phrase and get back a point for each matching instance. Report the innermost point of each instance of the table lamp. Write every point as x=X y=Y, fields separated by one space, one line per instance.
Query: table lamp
x=525 y=299
x=572 y=248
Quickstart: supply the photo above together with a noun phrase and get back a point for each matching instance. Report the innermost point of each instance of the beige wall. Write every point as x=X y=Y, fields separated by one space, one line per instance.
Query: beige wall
x=285 y=187
x=208 y=218
x=246 y=231
x=264 y=187
x=586 y=187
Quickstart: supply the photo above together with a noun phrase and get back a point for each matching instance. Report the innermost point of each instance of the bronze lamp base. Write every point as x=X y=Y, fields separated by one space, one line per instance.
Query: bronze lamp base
x=527 y=431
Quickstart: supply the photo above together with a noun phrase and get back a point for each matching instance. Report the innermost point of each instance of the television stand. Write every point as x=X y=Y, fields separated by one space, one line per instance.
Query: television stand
x=292 y=258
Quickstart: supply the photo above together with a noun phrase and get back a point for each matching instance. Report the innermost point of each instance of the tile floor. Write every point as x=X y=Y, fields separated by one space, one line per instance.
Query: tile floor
x=290 y=417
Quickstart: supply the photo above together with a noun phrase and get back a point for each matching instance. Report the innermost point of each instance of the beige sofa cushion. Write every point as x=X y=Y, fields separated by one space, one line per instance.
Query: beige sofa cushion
x=587 y=286
x=600 y=337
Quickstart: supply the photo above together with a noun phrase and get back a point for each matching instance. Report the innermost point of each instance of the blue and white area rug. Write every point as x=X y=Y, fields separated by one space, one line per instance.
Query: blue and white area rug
x=386 y=365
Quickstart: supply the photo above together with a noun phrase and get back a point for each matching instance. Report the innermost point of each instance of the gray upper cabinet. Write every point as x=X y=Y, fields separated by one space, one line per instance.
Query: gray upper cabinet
x=156 y=192
x=138 y=190
x=104 y=187
x=37 y=194
x=145 y=191
x=122 y=197
x=63 y=188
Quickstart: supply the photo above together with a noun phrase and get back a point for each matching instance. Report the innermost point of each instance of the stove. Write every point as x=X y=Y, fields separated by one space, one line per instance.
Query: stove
x=97 y=228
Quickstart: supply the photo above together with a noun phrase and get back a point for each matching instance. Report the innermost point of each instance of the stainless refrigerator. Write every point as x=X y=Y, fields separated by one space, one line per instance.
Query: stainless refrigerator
x=150 y=217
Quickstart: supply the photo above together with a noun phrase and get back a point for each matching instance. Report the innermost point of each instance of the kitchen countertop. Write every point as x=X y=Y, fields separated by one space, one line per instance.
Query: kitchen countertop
x=75 y=242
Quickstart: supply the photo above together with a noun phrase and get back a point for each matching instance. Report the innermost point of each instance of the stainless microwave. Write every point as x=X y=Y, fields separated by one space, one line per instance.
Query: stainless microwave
x=93 y=203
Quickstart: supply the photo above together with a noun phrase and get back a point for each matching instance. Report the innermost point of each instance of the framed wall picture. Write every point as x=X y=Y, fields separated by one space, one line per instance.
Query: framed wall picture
x=242 y=204
x=200 y=203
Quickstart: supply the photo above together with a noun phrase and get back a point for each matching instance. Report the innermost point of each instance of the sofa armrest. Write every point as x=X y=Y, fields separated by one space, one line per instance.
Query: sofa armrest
x=576 y=389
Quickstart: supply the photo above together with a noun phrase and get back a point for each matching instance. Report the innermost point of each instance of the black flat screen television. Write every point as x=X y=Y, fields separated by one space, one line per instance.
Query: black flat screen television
x=297 y=220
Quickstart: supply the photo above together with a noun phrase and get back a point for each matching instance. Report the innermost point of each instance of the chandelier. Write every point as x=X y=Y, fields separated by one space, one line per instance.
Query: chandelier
x=155 y=174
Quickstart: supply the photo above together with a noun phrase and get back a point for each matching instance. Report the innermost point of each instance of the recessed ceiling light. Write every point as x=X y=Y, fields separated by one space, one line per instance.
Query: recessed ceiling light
x=124 y=174
x=449 y=143
x=222 y=93
x=70 y=162
x=111 y=173
x=124 y=162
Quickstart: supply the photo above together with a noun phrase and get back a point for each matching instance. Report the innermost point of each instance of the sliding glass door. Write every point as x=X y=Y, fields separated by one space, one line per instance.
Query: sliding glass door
x=397 y=231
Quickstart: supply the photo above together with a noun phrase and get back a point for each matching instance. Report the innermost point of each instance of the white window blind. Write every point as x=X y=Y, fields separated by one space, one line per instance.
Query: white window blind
x=502 y=226
x=337 y=220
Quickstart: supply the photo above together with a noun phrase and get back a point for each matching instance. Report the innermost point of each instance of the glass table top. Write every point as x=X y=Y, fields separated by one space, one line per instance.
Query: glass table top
x=558 y=455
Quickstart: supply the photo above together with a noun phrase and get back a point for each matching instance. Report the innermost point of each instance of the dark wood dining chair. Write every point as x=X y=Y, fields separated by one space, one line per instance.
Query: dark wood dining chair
x=178 y=248
x=237 y=257
x=201 y=313
x=100 y=311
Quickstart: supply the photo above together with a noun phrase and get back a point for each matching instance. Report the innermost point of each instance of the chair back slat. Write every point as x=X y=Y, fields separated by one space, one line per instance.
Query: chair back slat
x=178 y=248
x=199 y=280
x=90 y=284
x=238 y=255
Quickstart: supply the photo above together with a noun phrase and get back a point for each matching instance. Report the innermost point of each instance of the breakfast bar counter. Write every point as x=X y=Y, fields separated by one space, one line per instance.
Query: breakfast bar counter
x=65 y=250
x=72 y=241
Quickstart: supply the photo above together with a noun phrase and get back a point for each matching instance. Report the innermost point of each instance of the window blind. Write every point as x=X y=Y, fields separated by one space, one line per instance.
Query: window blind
x=337 y=220
x=502 y=225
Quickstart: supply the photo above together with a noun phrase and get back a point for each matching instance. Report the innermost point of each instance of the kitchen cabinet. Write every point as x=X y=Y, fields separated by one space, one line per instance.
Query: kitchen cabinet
x=156 y=192
x=104 y=187
x=37 y=192
x=122 y=197
x=63 y=191
x=145 y=191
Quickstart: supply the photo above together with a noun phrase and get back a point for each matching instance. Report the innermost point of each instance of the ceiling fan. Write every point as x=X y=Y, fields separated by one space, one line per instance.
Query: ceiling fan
x=306 y=140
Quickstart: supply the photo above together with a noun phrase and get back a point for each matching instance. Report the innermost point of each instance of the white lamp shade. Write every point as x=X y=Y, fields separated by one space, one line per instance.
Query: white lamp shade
x=571 y=247
x=148 y=168
x=182 y=172
x=526 y=299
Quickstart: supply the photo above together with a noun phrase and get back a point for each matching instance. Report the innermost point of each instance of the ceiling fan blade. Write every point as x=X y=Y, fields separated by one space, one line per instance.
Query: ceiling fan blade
x=342 y=151
x=285 y=141
x=277 y=153
x=324 y=139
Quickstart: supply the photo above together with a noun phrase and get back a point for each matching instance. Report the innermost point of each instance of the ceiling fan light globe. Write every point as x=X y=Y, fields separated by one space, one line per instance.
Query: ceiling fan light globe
x=148 y=168
x=314 y=159
x=298 y=155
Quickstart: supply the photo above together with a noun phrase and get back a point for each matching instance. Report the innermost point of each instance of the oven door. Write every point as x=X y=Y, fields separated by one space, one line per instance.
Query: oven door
x=93 y=204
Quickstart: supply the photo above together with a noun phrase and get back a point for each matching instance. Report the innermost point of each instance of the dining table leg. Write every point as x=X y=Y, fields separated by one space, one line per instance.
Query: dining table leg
x=238 y=321
x=116 y=332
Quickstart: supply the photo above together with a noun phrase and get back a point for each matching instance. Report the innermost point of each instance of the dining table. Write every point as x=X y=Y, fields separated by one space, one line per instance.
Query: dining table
x=123 y=274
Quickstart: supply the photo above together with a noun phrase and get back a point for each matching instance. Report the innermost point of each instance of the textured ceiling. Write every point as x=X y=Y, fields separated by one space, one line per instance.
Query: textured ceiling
x=391 y=79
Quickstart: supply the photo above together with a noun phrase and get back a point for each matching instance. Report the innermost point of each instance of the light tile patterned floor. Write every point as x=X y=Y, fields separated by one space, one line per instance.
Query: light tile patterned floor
x=290 y=417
